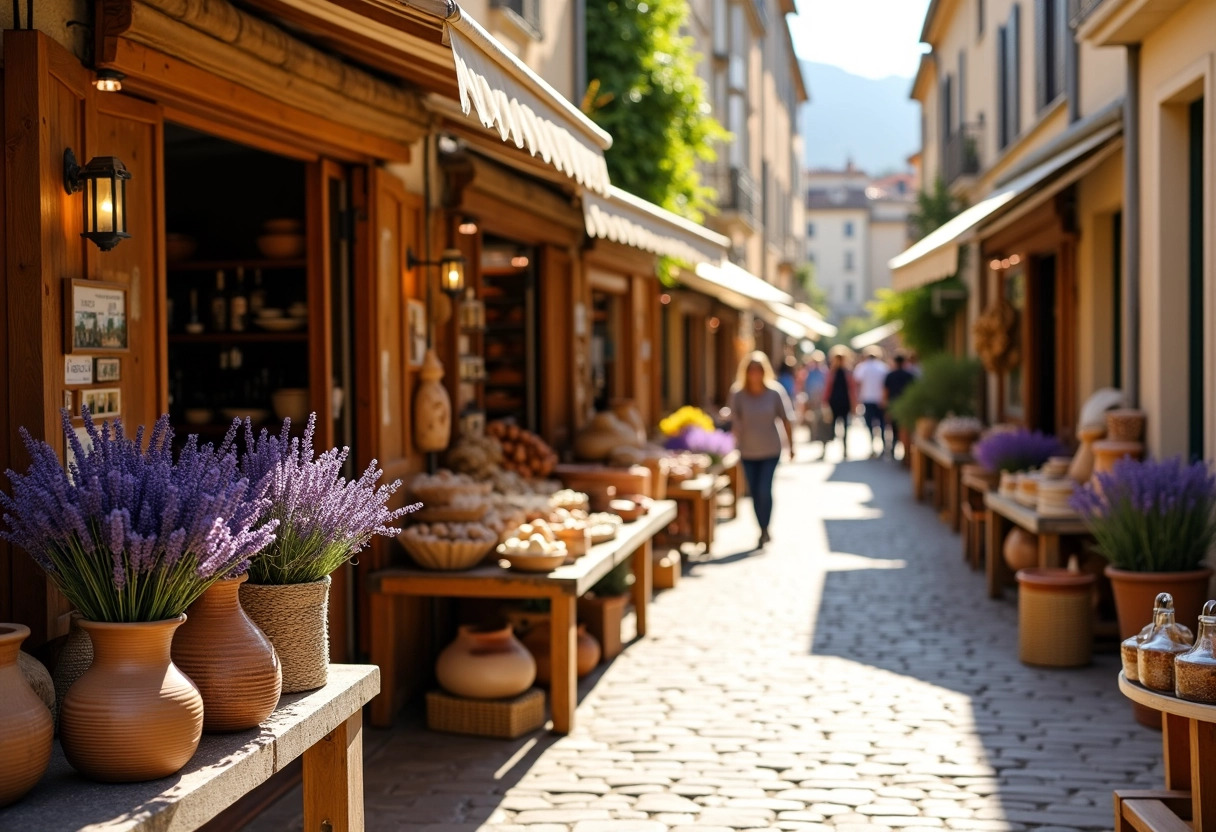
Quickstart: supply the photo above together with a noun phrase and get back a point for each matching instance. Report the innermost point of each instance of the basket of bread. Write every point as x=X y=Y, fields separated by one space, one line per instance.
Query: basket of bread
x=449 y=547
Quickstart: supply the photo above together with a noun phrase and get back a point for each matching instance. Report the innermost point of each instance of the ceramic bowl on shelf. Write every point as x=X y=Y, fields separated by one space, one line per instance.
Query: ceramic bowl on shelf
x=253 y=414
x=198 y=415
x=291 y=403
x=533 y=563
x=179 y=247
x=267 y=312
x=299 y=309
x=281 y=246
x=283 y=225
x=195 y=329
x=281 y=324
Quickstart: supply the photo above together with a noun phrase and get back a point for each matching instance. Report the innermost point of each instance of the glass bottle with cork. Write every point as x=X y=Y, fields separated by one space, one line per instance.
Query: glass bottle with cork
x=1156 y=654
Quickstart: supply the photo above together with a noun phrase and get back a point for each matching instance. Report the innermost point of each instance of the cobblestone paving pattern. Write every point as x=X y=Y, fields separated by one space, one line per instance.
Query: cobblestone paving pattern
x=854 y=677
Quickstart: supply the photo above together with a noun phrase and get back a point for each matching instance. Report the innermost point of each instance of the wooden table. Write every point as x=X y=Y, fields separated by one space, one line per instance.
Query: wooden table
x=949 y=467
x=698 y=499
x=563 y=587
x=324 y=726
x=1188 y=740
x=975 y=516
x=732 y=468
x=1005 y=512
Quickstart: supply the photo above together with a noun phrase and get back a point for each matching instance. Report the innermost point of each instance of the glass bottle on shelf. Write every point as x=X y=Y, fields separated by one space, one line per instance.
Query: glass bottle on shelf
x=238 y=304
x=219 y=305
x=1195 y=670
x=1156 y=654
x=194 y=325
x=257 y=298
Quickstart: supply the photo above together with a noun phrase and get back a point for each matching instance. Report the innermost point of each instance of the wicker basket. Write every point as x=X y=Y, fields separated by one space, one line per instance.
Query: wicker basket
x=501 y=718
x=446 y=555
x=443 y=495
x=1055 y=617
x=1125 y=425
x=451 y=513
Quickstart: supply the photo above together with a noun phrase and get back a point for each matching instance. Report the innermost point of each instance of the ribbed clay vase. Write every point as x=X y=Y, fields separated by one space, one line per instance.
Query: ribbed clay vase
x=26 y=732
x=295 y=617
x=133 y=715
x=485 y=664
x=230 y=660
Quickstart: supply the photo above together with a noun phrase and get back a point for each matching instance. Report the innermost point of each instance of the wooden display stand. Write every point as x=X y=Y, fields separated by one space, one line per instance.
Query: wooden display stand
x=975 y=518
x=948 y=468
x=1188 y=740
x=503 y=719
x=1005 y=512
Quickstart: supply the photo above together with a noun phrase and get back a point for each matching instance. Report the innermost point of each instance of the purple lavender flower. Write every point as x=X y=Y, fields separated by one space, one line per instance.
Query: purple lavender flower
x=1151 y=516
x=715 y=443
x=1017 y=450
x=126 y=532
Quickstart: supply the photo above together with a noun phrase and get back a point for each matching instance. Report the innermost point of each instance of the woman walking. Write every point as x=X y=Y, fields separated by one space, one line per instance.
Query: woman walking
x=840 y=394
x=758 y=404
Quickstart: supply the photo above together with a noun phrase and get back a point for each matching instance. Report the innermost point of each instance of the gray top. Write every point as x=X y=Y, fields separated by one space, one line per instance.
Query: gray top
x=755 y=421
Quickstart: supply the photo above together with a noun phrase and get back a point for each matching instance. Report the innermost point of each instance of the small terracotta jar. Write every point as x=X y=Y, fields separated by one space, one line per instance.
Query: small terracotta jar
x=231 y=661
x=1109 y=451
x=587 y=651
x=26 y=730
x=1021 y=549
x=1163 y=644
x=485 y=664
x=133 y=715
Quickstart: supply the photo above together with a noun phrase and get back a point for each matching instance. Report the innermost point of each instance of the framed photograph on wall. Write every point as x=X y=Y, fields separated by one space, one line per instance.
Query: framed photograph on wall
x=107 y=369
x=95 y=316
x=416 y=320
x=102 y=401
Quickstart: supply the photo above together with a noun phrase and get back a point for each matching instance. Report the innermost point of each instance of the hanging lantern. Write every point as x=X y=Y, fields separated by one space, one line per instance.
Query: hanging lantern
x=104 y=182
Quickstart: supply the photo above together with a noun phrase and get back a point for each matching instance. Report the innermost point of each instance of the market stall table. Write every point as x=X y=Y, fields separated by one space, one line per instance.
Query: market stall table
x=731 y=467
x=1188 y=740
x=563 y=587
x=948 y=470
x=324 y=726
x=1004 y=512
x=975 y=516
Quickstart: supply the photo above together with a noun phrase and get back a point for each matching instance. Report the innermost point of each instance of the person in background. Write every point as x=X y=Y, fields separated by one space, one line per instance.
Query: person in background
x=870 y=375
x=758 y=405
x=840 y=393
x=788 y=377
x=896 y=383
x=912 y=364
x=814 y=381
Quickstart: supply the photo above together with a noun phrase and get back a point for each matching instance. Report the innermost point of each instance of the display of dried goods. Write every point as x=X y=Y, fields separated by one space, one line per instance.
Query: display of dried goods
x=442 y=487
x=534 y=548
x=1156 y=654
x=523 y=452
x=996 y=337
x=478 y=456
x=570 y=500
x=1129 y=652
x=451 y=546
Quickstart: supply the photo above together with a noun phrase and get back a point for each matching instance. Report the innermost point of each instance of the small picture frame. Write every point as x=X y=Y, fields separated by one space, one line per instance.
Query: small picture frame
x=107 y=370
x=102 y=401
x=95 y=317
x=416 y=320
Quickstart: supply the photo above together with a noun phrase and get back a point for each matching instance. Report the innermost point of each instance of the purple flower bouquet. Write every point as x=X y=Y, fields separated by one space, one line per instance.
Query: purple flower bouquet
x=323 y=519
x=714 y=443
x=126 y=533
x=1016 y=450
x=1151 y=516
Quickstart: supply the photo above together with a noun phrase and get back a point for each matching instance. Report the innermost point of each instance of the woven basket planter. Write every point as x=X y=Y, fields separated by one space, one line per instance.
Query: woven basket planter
x=295 y=617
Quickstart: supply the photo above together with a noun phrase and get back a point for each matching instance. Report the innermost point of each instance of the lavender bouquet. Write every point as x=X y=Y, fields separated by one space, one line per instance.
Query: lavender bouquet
x=323 y=519
x=1016 y=450
x=126 y=533
x=714 y=443
x=1151 y=516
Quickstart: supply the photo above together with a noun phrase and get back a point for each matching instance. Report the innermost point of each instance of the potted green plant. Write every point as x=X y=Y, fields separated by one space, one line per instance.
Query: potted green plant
x=948 y=386
x=1154 y=522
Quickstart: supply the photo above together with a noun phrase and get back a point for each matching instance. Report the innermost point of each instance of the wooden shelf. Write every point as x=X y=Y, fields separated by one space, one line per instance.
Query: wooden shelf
x=215 y=265
x=239 y=337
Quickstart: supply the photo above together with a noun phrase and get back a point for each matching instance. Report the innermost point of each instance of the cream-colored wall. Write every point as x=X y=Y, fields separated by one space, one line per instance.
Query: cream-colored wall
x=828 y=247
x=551 y=55
x=1103 y=76
x=1177 y=60
x=51 y=18
x=1099 y=199
x=887 y=239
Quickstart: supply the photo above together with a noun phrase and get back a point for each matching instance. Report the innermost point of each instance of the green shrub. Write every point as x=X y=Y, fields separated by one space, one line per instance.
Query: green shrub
x=947 y=386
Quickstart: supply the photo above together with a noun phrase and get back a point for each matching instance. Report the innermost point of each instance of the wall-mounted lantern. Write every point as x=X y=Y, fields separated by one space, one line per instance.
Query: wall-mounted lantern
x=108 y=80
x=451 y=270
x=104 y=181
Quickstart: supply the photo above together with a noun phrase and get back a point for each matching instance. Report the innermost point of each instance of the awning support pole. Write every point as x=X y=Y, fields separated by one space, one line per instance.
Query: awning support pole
x=1131 y=230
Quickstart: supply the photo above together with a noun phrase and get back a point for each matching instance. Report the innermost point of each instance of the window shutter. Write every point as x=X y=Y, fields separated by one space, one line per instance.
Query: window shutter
x=962 y=89
x=1013 y=50
x=1002 y=86
x=1042 y=52
x=1063 y=40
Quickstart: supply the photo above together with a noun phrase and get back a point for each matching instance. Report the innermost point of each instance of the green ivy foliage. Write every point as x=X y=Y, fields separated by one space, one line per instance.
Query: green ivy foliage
x=645 y=91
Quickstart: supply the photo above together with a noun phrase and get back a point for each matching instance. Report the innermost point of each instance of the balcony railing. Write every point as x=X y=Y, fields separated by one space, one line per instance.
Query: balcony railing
x=1078 y=10
x=737 y=192
x=961 y=153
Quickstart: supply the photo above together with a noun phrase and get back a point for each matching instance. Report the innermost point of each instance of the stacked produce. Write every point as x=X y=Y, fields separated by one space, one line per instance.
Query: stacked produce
x=523 y=452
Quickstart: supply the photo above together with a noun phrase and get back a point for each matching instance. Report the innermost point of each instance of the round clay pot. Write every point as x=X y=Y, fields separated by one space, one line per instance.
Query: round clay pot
x=295 y=617
x=432 y=407
x=1136 y=592
x=1109 y=451
x=960 y=442
x=74 y=660
x=1082 y=467
x=230 y=660
x=485 y=664
x=133 y=715
x=26 y=730
x=587 y=651
x=925 y=427
x=1021 y=549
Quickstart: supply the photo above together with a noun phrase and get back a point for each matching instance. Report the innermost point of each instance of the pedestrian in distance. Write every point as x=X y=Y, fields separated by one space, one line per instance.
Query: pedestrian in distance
x=896 y=383
x=840 y=393
x=815 y=414
x=870 y=375
x=762 y=422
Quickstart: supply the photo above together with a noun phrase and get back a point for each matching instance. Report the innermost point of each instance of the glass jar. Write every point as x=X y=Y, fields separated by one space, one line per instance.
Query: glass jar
x=1195 y=670
x=1161 y=646
x=1129 y=651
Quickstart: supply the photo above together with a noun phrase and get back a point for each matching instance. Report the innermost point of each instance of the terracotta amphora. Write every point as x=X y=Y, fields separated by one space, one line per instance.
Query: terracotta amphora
x=26 y=730
x=485 y=664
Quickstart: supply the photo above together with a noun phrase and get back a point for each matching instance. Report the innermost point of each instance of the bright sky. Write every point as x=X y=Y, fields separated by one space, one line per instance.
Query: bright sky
x=874 y=38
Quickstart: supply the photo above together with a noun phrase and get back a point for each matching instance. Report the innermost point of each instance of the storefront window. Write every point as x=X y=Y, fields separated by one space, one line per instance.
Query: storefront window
x=1015 y=293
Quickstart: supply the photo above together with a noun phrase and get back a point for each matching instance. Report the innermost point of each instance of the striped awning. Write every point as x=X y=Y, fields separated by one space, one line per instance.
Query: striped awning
x=803 y=316
x=629 y=220
x=735 y=286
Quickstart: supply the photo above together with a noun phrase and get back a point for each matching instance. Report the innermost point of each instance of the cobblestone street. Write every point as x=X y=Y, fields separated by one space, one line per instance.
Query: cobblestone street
x=853 y=677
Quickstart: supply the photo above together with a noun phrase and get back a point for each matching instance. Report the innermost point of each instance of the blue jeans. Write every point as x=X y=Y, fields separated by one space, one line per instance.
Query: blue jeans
x=759 y=475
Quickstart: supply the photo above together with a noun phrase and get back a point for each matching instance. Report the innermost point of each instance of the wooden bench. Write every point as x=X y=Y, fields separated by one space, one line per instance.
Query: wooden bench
x=947 y=472
x=1005 y=512
x=1188 y=740
x=562 y=587
x=322 y=726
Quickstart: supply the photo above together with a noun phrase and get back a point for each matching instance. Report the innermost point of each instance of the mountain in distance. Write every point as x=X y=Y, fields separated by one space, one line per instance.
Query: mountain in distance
x=872 y=122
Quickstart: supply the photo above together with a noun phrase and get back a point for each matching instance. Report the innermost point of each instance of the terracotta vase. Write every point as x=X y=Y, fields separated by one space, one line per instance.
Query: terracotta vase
x=1136 y=592
x=74 y=660
x=587 y=651
x=1082 y=467
x=604 y=618
x=432 y=407
x=133 y=715
x=1021 y=549
x=1109 y=451
x=230 y=660
x=26 y=730
x=295 y=617
x=925 y=427
x=485 y=664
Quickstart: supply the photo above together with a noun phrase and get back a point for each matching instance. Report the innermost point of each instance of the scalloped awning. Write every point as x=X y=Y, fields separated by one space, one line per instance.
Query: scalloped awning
x=629 y=220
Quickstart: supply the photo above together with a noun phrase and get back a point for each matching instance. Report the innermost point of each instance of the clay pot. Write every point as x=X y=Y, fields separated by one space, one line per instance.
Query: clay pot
x=960 y=442
x=26 y=730
x=1108 y=451
x=978 y=472
x=925 y=427
x=230 y=660
x=1021 y=549
x=587 y=651
x=485 y=664
x=74 y=660
x=133 y=715
x=432 y=407
x=603 y=434
x=1125 y=425
x=1082 y=467
x=295 y=617
x=1136 y=592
